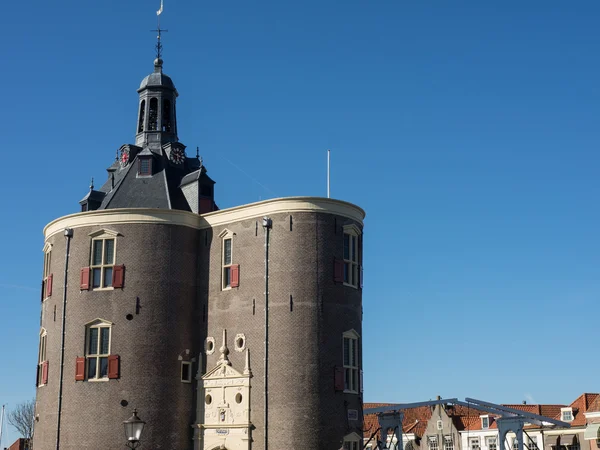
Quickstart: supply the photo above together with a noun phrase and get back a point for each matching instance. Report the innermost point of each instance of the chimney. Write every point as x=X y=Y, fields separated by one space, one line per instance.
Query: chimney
x=524 y=402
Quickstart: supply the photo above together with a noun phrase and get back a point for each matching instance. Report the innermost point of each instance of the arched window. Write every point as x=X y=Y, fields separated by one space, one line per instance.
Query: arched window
x=166 y=116
x=153 y=115
x=142 y=116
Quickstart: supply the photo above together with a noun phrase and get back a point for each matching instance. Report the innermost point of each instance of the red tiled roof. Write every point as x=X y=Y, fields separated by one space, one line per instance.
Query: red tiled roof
x=580 y=405
x=595 y=406
x=415 y=419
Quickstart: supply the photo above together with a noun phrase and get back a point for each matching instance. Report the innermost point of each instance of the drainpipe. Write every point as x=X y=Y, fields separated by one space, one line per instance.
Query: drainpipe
x=267 y=225
x=69 y=236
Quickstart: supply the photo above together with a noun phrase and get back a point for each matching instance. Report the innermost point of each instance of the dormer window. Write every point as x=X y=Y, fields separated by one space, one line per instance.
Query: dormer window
x=566 y=414
x=485 y=422
x=145 y=166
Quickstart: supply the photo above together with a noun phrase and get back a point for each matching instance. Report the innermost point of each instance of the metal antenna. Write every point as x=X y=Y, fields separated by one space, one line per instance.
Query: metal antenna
x=159 y=31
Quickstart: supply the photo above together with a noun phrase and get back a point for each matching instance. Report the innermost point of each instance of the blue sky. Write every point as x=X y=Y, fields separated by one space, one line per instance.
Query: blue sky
x=467 y=130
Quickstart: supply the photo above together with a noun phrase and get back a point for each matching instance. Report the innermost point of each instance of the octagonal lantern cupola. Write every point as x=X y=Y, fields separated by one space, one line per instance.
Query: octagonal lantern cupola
x=157 y=120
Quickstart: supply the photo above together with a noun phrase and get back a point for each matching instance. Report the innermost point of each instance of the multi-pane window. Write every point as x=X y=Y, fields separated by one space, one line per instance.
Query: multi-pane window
x=97 y=351
x=47 y=275
x=351 y=445
x=227 y=262
x=533 y=443
x=103 y=260
x=351 y=373
x=144 y=165
x=42 y=363
x=567 y=415
x=448 y=443
x=351 y=272
x=485 y=422
x=515 y=445
x=474 y=444
x=432 y=443
x=492 y=443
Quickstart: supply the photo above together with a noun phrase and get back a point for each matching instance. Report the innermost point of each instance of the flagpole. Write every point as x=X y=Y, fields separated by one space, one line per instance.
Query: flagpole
x=328 y=165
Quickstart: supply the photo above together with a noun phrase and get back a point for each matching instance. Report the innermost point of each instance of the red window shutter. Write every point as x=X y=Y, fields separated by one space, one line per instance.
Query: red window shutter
x=235 y=275
x=79 y=369
x=338 y=378
x=206 y=205
x=338 y=271
x=49 y=286
x=84 y=281
x=118 y=276
x=45 y=372
x=113 y=367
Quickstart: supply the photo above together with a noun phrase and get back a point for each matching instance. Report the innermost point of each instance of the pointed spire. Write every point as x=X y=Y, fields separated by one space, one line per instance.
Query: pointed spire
x=92 y=184
x=117 y=155
x=224 y=350
x=198 y=153
x=247 y=370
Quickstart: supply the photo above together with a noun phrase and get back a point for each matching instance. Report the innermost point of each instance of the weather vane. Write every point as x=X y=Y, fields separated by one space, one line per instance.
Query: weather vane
x=159 y=31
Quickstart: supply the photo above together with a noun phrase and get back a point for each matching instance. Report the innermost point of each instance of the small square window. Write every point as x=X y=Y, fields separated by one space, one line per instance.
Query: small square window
x=567 y=415
x=186 y=372
x=145 y=166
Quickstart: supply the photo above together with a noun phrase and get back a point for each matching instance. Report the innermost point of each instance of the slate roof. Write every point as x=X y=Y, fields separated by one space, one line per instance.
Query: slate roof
x=161 y=190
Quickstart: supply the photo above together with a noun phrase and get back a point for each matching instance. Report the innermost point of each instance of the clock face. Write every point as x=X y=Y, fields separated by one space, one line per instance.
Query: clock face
x=124 y=158
x=177 y=155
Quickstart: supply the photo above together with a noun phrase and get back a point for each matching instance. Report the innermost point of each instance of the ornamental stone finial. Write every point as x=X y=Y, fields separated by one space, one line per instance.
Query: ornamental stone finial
x=224 y=350
x=247 y=370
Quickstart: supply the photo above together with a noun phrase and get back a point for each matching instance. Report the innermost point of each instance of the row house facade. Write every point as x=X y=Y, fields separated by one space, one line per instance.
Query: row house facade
x=450 y=427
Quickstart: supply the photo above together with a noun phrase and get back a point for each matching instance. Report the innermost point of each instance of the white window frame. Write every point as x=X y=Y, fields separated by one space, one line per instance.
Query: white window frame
x=225 y=236
x=352 y=441
x=352 y=365
x=564 y=412
x=42 y=357
x=485 y=422
x=533 y=443
x=474 y=443
x=432 y=443
x=492 y=442
x=47 y=268
x=97 y=324
x=448 y=442
x=515 y=443
x=352 y=258
x=104 y=266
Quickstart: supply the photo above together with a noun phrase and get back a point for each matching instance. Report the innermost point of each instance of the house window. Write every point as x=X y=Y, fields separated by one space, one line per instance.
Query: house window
x=352 y=442
x=144 y=166
x=485 y=422
x=448 y=443
x=515 y=444
x=492 y=443
x=567 y=414
x=351 y=374
x=42 y=370
x=142 y=114
x=533 y=443
x=103 y=260
x=474 y=444
x=153 y=115
x=97 y=350
x=227 y=259
x=186 y=371
x=432 y=443
x=351 y=272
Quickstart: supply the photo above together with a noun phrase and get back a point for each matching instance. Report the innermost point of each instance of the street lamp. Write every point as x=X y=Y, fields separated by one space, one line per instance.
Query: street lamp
x=133 y=430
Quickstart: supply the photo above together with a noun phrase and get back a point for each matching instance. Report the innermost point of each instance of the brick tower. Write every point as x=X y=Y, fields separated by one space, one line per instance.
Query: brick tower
x=226 y=329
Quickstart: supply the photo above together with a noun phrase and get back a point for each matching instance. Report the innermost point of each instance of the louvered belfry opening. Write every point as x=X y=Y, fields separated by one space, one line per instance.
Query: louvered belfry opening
x=166 y=116
x=142 y=116
x=153 y=115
